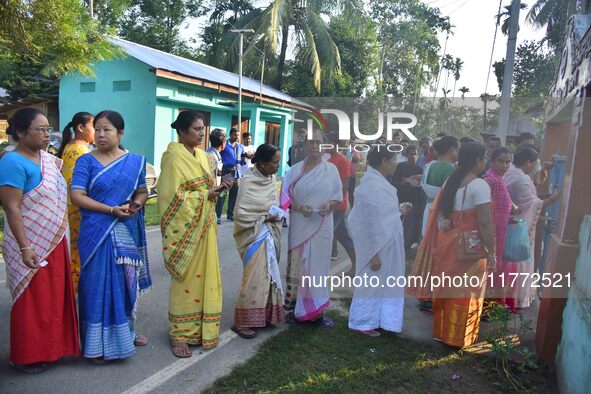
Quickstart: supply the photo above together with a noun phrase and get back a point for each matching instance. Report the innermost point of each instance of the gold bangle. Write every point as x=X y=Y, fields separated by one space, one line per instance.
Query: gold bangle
x=26 y=248
x=112 y=210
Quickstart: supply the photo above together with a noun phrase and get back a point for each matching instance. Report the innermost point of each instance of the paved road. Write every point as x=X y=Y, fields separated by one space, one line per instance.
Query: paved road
x=154 y=366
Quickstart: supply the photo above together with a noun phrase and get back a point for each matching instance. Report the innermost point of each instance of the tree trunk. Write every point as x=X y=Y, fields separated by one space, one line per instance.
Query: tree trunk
x=485 y=118
x=282 y=55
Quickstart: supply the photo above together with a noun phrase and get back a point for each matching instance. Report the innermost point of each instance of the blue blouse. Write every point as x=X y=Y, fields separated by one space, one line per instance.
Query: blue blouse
x=19 y=172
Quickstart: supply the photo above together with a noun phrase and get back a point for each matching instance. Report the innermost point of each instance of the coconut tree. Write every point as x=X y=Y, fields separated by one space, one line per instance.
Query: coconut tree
x=464 y=90
x=447 y=64
x=457 y=67
x=305 y=22
x=507 y=15
x=553 y=15
x=486 y=98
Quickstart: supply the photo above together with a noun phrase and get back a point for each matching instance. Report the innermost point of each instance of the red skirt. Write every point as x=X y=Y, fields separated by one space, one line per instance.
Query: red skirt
x=43 y=320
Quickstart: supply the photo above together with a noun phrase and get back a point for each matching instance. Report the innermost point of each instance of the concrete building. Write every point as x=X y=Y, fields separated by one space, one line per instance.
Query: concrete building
x=149 y=88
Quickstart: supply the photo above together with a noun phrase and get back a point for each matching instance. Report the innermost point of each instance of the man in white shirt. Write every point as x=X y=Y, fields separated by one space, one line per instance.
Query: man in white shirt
x=217 y=142
x=248 y=152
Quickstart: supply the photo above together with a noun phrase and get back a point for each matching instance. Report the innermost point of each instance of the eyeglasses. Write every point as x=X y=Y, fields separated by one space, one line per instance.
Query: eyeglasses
x=43 y=130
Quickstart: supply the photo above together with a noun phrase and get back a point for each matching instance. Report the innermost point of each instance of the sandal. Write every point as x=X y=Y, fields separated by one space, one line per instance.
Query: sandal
x=140 y=340
x=369 y=333
x=99 y=360
x=246 y=333
x=324 y=321
x=180 y=349
x=30 y=368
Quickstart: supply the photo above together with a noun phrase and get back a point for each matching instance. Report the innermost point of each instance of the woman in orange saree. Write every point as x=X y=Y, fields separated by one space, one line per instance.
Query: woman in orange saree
x=463 y=204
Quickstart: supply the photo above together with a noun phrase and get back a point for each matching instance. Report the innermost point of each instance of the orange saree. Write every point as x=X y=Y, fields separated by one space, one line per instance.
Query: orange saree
x=457 y=307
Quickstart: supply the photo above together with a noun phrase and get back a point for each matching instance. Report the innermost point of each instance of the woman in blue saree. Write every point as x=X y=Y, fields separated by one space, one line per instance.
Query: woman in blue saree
x=109 y=186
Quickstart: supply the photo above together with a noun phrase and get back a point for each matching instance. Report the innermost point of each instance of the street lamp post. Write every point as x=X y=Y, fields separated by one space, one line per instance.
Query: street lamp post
x=240 y=56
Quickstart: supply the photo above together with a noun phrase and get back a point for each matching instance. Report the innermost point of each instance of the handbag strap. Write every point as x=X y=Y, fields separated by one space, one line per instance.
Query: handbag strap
x=463 y=200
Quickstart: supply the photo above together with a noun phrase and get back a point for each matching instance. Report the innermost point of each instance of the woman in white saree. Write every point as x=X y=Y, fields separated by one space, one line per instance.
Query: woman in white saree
x=523 y=194
x=312 y=188
x=377 y=233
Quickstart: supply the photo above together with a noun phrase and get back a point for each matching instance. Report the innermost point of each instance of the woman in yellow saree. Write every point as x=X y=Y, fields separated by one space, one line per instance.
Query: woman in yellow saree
x=186 y=202
x=463 y=204
x=257 y=231
x=76 y=139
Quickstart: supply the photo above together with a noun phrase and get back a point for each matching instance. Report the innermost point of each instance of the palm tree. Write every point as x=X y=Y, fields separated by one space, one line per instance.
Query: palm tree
x=554 y=15
x=314 y=45
x=236 y=8
x=447 y=64
x=464 y=90
x=485 y=97
x=457 y=67
x=448 y=29
x=507 y=15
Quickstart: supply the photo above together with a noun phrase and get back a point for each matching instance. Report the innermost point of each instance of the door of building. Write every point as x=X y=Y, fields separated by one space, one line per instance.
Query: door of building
x=272 y=133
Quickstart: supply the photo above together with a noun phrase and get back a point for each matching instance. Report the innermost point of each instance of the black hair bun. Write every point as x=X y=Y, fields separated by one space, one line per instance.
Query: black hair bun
x=254 y=160
x=173 y=125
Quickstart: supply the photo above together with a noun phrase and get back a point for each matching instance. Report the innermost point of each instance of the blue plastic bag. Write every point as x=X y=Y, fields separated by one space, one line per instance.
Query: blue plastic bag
x=517 y=247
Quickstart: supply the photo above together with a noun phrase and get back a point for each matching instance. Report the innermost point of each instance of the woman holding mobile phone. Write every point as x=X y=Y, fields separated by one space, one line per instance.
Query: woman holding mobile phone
x=109 y=186
x=186 y=201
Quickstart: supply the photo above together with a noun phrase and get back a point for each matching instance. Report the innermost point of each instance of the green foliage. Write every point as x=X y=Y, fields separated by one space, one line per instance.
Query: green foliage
x=503 y=342
x=47 y=39
x=109 y=12
x=553 y=15
x=534 y=70
x=22 y=79
x=313 y=44
x=358 y=48
x=156 y=23
x=408 y=32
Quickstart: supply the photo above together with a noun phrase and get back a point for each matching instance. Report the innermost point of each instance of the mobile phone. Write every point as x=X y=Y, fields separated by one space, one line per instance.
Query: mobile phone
x=228 y=177
x=133 y=206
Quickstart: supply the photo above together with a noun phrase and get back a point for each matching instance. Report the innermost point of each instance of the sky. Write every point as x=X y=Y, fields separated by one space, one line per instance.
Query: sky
x=472 y=39
x=474 y=22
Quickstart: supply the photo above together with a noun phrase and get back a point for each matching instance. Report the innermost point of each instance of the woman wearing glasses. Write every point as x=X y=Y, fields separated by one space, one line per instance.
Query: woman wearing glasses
x=43 y=322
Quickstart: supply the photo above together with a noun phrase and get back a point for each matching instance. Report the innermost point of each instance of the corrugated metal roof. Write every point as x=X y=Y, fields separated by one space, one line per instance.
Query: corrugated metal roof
x=166 y=61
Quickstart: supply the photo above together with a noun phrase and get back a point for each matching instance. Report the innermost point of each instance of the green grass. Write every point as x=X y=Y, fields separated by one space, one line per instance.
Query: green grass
x=152 y=217
x=306 y=358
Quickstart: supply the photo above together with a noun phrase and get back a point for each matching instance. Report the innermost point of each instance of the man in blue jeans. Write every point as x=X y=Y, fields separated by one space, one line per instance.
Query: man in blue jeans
x=233 y=157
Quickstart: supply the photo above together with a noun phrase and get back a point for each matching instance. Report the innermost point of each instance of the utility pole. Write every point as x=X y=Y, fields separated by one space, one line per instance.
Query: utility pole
x=508 y=73
x=240 y=56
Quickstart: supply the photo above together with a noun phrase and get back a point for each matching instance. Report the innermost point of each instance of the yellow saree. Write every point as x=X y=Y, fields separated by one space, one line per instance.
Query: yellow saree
x=71 y=153
x=189 y=246
x=260 y=301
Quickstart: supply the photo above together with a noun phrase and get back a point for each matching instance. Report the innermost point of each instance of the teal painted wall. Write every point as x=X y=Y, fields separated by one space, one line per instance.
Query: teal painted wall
x=137 y=105
x=573 y=357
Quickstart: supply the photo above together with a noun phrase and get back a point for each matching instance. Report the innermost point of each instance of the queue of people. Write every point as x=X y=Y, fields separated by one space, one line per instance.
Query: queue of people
x=98 y=203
